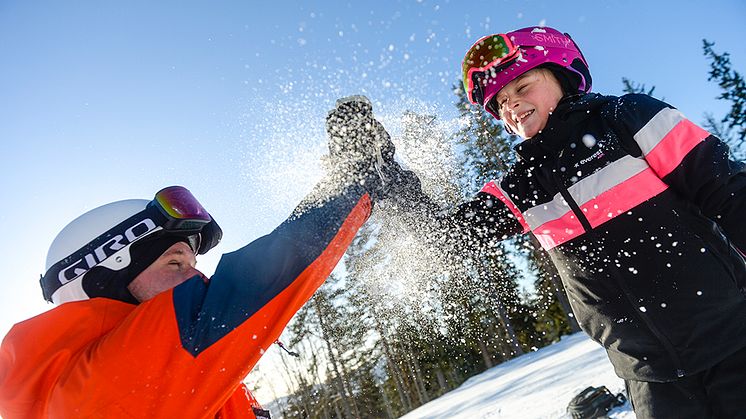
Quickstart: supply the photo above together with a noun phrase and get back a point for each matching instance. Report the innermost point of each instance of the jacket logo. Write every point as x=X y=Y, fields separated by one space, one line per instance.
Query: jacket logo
x=597 y=155
x=102 y=252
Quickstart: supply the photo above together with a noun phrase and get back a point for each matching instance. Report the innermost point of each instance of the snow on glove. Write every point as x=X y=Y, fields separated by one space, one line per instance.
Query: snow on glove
x=359 y=146
x=361 y=150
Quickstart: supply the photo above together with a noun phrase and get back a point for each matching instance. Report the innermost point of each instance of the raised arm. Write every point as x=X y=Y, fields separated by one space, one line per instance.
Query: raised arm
x=186 y=350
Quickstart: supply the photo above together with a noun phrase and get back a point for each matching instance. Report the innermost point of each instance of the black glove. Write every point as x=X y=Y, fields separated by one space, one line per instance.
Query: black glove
x=355 y=137
x=360 y=149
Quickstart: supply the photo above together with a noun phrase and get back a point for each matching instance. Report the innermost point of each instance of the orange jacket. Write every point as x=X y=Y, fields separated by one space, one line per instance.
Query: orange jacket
x=185 y=352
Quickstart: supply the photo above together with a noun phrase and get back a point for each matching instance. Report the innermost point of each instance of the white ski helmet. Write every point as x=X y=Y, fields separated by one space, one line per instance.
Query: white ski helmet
x=99 y=253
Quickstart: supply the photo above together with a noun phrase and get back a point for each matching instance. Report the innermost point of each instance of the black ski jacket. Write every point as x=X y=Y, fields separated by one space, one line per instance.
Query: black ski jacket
x=643 y=213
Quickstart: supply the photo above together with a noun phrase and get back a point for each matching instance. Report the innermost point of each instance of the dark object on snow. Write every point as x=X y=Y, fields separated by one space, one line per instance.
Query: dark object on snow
x=261 y=413
x=594 y=402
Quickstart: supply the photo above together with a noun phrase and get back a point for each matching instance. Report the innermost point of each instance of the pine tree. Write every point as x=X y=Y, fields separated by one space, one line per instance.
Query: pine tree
x=634 y=87
x=732 y=127
x=374 y=263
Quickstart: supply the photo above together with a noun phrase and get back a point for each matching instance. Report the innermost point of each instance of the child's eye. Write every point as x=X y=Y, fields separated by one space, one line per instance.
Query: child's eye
x=521 y=88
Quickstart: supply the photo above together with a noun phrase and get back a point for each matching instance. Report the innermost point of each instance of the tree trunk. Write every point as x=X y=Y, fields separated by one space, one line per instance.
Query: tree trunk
x=441 y=377
x=456 y=377
x=484 y=351
x=300 y=385
x=335 y=403
x=282 y=405
x=348 y=389
x=490 y=277
x=386 y=402
x=502 y=315
x=409 y=379
x=421 y=379
x=417 y=379
x=325 y=400
x=406 y=401
x=338 y=379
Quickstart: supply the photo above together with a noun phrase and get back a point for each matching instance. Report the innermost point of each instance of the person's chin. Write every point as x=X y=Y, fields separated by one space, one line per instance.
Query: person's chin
x=530 y=131
x=528 y=134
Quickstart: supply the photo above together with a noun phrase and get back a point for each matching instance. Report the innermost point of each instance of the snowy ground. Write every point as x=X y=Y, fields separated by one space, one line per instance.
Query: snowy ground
x=535 y=385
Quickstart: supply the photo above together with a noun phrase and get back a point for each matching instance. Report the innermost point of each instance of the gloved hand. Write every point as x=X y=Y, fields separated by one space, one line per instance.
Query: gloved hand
x=361 y=150
x=359 y=146
x=356 y=139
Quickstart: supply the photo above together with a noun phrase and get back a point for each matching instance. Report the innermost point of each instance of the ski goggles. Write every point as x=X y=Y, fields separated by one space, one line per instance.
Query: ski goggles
x=481 y=62
x=173 y=211
x=181 y=209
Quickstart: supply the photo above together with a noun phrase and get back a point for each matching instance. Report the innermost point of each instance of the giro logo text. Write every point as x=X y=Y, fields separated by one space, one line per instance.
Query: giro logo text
x=106 y=249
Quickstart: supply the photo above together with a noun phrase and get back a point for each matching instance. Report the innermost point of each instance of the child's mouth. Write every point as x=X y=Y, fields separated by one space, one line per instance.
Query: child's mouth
x=520 y=118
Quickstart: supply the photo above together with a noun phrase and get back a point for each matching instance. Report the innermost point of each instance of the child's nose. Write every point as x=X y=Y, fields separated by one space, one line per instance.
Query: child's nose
x=513 y=106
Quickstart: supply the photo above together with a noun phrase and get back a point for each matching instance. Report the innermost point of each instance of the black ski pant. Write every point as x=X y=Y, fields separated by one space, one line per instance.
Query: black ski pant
x=716 y=393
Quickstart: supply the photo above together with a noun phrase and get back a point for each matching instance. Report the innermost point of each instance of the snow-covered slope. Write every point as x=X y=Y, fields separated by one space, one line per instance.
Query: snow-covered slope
x=536 y=385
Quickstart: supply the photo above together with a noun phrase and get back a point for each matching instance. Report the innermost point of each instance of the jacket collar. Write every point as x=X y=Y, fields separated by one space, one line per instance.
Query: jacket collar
x=560 y=127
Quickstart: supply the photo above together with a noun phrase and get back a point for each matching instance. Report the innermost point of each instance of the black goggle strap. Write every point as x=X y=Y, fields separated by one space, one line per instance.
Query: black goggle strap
x=477 y=92
x=492 y=105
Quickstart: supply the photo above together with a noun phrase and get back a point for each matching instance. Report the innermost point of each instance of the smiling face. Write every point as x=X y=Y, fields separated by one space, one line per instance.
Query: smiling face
x=525 y=103
x=173 y=267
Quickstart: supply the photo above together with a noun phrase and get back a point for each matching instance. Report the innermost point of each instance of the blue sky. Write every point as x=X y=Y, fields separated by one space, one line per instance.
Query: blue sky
x=101 y=101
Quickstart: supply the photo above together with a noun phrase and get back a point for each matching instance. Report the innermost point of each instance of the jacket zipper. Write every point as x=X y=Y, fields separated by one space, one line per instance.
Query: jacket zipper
x=631 y=298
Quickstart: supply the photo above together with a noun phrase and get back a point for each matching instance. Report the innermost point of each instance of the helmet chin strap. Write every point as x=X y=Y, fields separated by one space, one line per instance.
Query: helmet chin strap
x=103 y=282
x=508 y=129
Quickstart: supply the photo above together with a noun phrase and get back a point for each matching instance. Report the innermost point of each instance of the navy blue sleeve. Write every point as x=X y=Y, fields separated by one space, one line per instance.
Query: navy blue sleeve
x=247 y=279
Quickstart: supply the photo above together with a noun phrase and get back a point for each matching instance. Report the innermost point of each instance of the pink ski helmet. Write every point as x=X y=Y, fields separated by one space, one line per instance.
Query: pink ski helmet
x=495 y=60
